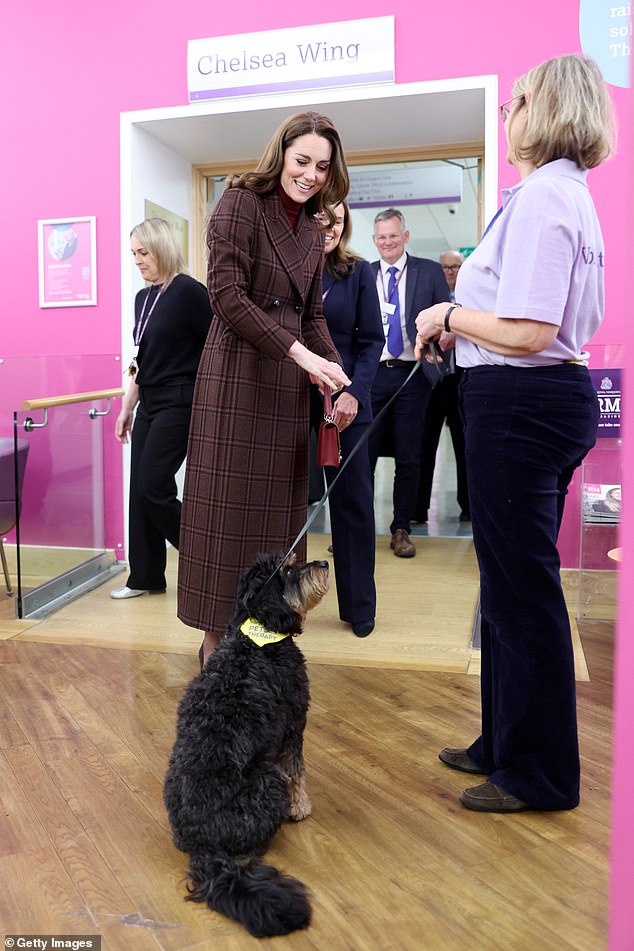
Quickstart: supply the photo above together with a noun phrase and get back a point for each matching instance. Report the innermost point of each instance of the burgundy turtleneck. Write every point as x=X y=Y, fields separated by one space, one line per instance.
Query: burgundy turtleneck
x=291 y=207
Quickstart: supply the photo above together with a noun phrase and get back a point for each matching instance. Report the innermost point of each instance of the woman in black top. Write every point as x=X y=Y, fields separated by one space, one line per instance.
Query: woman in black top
x=172 y=317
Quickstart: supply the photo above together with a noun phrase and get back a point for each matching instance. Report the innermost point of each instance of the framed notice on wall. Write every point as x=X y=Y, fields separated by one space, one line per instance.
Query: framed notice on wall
x=67 y=260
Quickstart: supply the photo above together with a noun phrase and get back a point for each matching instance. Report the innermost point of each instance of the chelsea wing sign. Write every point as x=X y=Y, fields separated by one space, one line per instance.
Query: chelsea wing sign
x=309 y=57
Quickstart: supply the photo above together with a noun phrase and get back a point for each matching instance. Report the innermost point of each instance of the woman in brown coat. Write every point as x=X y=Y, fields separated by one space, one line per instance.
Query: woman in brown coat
x=247 y=461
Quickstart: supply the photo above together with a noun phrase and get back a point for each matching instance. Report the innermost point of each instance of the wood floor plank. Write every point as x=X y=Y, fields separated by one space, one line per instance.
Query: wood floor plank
x=92 y=879
x=38 y=897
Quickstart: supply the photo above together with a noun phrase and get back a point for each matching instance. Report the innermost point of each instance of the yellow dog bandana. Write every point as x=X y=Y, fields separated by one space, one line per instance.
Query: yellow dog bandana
x=259 y=634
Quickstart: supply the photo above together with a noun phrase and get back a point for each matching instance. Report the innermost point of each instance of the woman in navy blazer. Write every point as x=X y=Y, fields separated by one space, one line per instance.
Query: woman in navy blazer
x=351 y=309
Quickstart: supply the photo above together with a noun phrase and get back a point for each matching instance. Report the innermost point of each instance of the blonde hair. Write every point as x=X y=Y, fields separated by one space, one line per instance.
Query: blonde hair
x=570 y=113
x=157 y=237
x=269 y=169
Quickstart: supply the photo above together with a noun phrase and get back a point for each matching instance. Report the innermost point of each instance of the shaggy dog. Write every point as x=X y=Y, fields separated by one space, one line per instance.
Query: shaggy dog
x=237 y=768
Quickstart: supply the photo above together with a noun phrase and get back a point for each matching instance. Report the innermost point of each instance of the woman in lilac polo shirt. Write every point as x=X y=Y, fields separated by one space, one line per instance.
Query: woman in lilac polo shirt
x=532 y=296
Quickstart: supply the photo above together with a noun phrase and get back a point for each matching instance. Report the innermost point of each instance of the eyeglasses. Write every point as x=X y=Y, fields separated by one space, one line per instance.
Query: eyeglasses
x=382 y=238
x=451 y=267
x=504 y=107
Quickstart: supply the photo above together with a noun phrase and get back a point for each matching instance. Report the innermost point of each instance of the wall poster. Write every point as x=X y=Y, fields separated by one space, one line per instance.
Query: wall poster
x=67 y=261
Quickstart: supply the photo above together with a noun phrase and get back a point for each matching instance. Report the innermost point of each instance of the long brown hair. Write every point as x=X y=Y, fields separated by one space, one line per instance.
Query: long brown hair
x=341 y=261
x=269 y=169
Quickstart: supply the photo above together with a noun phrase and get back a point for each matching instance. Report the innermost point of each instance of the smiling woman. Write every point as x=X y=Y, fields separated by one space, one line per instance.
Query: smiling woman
x=246 y=483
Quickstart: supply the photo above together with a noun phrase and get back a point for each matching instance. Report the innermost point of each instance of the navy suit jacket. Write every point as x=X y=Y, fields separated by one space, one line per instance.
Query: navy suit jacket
x=351 y=309
x=425 y=285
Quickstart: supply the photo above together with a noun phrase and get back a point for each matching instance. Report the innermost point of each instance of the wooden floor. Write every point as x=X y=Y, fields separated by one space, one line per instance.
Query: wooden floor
x=87 y=708
x=425 y=613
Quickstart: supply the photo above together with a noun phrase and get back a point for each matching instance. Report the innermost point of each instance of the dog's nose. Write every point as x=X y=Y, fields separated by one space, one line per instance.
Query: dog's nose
x=323 y=564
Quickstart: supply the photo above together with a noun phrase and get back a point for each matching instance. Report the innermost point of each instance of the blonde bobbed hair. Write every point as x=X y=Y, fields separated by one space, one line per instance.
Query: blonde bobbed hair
x=269 y=169
x=570 y=113
x=157 y=237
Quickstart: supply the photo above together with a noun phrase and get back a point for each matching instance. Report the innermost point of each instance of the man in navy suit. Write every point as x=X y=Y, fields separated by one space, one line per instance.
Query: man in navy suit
x=405 y=285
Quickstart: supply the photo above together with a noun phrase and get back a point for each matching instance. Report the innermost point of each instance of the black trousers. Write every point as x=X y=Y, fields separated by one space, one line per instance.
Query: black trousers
x=351 y=506
x=526 y=431
x=159 y=446
x=402 y=426
x=444 y=404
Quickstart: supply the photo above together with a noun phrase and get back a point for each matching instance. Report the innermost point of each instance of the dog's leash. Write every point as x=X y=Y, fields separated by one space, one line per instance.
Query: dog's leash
x=443 y=368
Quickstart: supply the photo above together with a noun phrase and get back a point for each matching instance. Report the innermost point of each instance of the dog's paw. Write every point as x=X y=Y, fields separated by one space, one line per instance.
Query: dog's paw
x=301 y=806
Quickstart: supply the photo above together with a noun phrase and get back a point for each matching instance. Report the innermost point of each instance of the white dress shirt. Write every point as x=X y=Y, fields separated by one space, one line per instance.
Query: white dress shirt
x=382 y=281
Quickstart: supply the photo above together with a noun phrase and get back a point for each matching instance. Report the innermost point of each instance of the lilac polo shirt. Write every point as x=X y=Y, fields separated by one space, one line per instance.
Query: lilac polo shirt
x=542 y=259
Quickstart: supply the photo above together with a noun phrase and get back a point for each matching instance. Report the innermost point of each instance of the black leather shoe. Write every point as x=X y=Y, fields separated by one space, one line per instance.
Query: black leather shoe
x=459 y=759
x=491 y=798
x=363 y=628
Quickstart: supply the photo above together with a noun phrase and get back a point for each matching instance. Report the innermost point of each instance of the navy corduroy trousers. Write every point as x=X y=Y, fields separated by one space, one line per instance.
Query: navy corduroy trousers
x=526 y=431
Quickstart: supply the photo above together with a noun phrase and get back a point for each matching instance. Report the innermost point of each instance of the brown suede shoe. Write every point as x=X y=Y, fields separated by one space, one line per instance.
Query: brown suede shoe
x=459 y=759
x=491 y=798
x=402 y=545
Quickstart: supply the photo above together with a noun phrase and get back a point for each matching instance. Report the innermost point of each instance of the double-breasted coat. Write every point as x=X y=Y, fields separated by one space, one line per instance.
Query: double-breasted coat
x=246 y=482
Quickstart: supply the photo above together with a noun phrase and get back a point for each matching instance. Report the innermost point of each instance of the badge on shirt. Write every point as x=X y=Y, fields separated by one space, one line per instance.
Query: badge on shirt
x=134 y=366
x=387 y=309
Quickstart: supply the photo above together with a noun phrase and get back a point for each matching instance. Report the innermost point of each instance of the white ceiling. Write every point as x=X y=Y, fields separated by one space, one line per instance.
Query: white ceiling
x=397 y=121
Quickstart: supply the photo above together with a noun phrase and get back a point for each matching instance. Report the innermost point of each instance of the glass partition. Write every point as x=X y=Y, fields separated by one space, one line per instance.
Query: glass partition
x=61 y=545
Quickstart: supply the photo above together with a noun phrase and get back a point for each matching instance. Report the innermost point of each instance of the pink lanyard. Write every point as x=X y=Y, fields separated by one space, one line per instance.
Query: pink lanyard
x=143 y=324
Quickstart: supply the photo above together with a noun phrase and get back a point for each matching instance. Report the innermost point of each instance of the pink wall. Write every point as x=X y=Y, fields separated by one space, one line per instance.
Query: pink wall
x=67 y=78
x=622 y=888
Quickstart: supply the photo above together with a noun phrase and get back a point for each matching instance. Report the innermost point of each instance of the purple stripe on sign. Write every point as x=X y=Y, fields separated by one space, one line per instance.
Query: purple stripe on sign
x=384 y=77
x=453 y=199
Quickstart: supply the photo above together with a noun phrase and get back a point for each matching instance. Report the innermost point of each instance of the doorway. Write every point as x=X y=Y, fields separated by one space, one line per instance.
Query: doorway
x=168 y=156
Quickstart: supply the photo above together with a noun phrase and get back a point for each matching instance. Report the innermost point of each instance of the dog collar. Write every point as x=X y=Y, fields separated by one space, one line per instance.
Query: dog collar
x=257 y=633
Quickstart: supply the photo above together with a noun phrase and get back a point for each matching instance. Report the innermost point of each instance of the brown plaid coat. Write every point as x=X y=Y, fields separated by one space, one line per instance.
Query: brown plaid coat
x=247 y=461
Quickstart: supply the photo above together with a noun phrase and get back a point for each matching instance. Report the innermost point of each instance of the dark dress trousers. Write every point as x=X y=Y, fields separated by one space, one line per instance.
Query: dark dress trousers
x=402 y=425
x=246 y=481
x=444 y=404
x=527 y=430
x=168 y=357
x=352 y=312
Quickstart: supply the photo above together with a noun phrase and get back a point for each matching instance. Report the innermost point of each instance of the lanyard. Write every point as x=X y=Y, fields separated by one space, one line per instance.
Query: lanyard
x=492 y=221
x=388 y=300
x=143 y=324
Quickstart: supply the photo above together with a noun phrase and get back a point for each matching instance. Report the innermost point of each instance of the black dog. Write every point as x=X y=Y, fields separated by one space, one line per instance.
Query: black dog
x=237 y=768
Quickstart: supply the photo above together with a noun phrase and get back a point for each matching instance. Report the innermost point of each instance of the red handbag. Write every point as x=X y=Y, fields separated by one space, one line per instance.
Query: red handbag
x=328 y=443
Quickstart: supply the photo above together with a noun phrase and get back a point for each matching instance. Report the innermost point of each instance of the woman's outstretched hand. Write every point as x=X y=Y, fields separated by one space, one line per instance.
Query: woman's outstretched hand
x=321 y=371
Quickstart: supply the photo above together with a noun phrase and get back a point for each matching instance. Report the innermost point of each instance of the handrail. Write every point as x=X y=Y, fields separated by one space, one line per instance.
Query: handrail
x=50 y=401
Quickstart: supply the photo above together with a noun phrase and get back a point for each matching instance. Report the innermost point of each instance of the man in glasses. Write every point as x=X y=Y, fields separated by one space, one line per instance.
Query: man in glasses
x=443 y=405
x=405 y=284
